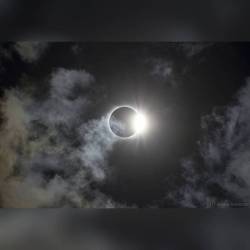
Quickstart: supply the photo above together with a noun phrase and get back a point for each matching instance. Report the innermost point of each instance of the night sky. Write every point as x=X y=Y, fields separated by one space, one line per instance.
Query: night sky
x=56 y=149
x=66 y=66
x=179 y=63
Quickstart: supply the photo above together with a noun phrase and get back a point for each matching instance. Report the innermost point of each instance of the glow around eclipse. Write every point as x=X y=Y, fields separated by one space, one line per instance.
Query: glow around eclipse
x=126 y=122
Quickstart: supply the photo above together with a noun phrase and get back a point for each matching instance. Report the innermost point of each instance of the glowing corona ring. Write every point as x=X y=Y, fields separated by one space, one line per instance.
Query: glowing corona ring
x=125 y=122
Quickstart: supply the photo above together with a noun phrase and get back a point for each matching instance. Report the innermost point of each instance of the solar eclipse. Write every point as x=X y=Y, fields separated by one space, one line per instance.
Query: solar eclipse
x=126 y=122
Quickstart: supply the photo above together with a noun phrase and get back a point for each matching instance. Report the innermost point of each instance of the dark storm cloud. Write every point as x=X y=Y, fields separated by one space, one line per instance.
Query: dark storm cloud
x=219 y=174
x=49 y=153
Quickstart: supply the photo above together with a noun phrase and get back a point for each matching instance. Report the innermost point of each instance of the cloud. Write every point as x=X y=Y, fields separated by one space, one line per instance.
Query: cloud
x=29 y=192
x=192 y=49
x=30 y=51
x=65 y=81
x=66 y=96
x=50 y=154
x=76 y=49
x=98 y=142
x=163 y=70
x=13 y=133
x=219 y=174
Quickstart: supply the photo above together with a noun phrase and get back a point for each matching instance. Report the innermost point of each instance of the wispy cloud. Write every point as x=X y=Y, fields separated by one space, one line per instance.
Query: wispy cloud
x=97 y=143
x=219 y=173
x=162 y=69
x=30 y=51
x=49 y=152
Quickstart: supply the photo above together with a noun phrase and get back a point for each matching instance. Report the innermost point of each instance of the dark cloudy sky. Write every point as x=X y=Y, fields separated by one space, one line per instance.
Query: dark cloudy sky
x=56 y=149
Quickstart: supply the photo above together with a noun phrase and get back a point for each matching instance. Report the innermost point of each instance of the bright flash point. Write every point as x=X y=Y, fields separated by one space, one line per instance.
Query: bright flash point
x=139 y=123
x=126 y=122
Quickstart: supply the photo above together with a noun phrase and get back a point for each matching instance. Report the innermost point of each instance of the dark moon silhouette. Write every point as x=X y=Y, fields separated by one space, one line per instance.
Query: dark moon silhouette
x=120 y=122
